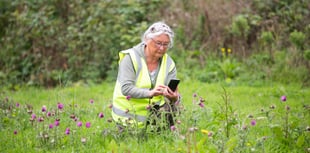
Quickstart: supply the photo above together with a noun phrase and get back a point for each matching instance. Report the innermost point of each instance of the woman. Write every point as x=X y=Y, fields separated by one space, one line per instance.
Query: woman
x=144 y=73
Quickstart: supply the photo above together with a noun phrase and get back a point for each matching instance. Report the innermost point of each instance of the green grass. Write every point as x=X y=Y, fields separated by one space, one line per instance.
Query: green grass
x=270 y=134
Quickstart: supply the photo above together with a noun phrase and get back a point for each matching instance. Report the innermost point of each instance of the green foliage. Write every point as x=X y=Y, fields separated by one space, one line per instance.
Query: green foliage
x=255 y=118
x=54 y=42
x=266 y=37
x=298 y=39
x=49 y=42
x=307 y=55
x=240 y=26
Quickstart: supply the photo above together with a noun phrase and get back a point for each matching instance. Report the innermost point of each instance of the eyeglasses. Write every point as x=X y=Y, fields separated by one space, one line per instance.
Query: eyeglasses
x=159 y=44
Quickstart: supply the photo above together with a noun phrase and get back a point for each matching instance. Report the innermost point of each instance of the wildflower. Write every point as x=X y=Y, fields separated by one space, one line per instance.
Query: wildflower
x=201 y=99
x=148 y=107
x=178 y=121
x=128 y=97
x=210 y=134
x=191 y=129
x=283 y=98
x=83 y=140
x=244 y=127
x=40 y=119
x=173 y=128
x=29 y=111
x=264 y=138
x=51 y=126
x=17 y=104
x=110 y=120
x=60 y=105
x=100 y=115
x=204 y=131
x=44 y=108
x=33 y=116
x=56 y=123
x=229 y=50
x=253 y=122
x=272 y=107
x=262 y=109
x=195 y=95
x=91 y=101
x=201 y=104
x=287 y=107
x=15 y=132
x=110 y=106
x=79 y=124
x=87 y=124
x=72 y=116
x=67 y=132
x=48 y=114
x=223 y=50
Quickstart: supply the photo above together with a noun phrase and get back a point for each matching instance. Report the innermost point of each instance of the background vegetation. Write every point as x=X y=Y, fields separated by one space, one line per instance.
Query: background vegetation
x=244 y=67
x=52 y=42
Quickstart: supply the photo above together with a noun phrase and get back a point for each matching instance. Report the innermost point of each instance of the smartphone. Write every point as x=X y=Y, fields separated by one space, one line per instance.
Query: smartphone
x=173 y=84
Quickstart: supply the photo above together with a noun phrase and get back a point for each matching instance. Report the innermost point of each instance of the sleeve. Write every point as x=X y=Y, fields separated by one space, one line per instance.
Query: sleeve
x=127 y=78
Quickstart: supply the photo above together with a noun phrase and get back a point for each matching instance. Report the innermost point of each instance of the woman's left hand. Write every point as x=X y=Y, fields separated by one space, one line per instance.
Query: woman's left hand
x=173 y=96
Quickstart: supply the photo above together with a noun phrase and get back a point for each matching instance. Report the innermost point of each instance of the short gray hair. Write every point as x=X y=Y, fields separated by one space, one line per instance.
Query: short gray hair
x=156 y=29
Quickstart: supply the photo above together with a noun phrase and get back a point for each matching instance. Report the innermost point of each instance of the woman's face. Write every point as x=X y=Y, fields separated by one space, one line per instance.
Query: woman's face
x=158 y=45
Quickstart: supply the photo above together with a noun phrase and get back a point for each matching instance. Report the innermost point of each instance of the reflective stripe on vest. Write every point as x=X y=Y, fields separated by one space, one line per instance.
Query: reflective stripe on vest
x=135 y=108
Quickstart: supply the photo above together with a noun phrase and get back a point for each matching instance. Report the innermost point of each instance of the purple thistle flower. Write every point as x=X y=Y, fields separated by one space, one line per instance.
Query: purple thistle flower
x=110 y=106
x=91 y=101
x=87 y=124
x=15 y=132
x=201 y=104
x=60 y=105
x=148 y=107
x=40 y=119
x=128 y=97
x=51 y=126
x=253 y=122
x=17 y=104
x=100 y=115
x=210 y=134
x=48 y=114
x=244 y=127
x=56 y=123
x=33 y=116
x=44 y=108
x=283 y=98
x=67 y=132
x=79 y=124
x=173 y=128
x=195 y=95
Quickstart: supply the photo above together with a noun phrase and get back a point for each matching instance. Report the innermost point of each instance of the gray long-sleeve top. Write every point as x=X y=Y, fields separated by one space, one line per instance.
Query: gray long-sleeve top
x=127 y=75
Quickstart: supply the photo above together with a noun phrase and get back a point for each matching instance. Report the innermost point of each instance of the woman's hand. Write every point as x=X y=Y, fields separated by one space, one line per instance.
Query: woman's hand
x=172 y=96
x=165 y=91
x=159 y=90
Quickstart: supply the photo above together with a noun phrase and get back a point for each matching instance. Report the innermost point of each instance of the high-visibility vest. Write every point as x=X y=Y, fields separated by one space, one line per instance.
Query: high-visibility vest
x=135 y=108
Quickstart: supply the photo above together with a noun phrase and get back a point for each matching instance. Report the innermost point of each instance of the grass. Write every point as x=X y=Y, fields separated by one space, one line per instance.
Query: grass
x=242 y=119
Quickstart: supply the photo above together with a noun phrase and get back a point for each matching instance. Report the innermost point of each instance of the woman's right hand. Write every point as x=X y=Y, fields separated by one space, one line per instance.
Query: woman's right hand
x=159 y=90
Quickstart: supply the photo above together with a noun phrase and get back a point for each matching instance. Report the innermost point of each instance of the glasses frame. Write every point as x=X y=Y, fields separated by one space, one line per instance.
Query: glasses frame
x=158 y=44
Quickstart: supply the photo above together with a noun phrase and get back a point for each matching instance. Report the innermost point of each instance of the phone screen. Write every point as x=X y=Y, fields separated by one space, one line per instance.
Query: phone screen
x=173 y=84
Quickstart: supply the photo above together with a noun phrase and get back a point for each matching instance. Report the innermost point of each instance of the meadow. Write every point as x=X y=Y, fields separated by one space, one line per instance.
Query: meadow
x=216 y=117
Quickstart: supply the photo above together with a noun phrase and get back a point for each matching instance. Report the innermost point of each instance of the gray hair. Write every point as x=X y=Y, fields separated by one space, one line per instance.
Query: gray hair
x=157 y=29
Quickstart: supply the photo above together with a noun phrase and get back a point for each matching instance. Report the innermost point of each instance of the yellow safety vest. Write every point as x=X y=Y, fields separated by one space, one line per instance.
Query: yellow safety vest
x=135 y=108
